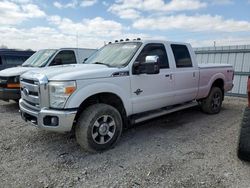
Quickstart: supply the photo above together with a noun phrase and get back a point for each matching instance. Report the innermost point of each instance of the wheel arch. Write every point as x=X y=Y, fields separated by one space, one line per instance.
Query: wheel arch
x=109 y=98
x=217 y=80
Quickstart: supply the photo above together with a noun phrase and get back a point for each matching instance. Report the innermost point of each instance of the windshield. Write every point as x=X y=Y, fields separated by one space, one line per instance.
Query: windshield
x=39 y=59
x=115 y=55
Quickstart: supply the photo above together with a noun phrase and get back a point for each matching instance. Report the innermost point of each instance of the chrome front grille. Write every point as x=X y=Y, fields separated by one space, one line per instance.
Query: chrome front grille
x=30 y=93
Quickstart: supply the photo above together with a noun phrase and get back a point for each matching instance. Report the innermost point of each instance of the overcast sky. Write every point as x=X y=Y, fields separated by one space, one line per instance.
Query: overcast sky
x=40 y=24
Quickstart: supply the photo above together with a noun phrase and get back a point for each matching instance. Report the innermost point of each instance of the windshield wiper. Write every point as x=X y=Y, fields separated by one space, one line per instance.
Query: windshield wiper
x=100 y=63
x=27 y=66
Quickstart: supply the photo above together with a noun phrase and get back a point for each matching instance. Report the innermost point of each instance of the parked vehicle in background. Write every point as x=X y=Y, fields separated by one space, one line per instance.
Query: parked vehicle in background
x=9 y=78
x=123 y=83
x=12 y=58
x=244 y=137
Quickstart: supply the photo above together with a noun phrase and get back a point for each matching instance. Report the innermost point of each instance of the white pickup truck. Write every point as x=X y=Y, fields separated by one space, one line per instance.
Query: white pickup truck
x=9 y=78
x=121 y=84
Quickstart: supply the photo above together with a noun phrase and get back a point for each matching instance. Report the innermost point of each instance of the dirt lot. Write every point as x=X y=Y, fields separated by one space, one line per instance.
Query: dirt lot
x=184 y=149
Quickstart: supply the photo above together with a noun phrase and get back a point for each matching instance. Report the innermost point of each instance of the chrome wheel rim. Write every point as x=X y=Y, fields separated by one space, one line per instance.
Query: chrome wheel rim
x=103 y=129
x=216 y=101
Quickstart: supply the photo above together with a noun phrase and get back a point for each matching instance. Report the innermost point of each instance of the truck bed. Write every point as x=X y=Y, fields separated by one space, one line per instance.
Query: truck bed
x=210 y=65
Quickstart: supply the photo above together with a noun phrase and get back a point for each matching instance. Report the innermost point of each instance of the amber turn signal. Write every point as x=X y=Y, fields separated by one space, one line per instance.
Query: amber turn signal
x=13 y=85
x=70 y=90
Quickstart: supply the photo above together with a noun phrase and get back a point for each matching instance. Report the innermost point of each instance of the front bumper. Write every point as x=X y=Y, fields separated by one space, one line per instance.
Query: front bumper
x=9 y=94
x=38 y=118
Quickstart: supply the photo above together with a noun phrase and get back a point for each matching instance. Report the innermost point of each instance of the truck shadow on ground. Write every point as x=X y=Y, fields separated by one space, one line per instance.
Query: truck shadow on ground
x=171 y=121
x=138 y=134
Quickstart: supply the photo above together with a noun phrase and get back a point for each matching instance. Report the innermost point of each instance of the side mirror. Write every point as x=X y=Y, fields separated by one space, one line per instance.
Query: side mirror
x=150 y=66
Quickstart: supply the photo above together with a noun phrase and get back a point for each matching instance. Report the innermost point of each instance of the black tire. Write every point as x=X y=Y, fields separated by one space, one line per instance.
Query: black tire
x=212 y=104
x=244 y=137
x=99 y=127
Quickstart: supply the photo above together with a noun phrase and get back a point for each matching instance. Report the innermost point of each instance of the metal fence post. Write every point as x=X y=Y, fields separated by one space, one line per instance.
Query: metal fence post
x=248 y=90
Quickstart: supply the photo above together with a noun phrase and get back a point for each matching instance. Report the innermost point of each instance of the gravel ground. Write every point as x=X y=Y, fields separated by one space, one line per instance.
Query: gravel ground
x=184 y=149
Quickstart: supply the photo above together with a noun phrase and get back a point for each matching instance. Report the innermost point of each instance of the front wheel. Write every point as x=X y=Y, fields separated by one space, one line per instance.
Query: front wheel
x=212 y=104
x=99 y=127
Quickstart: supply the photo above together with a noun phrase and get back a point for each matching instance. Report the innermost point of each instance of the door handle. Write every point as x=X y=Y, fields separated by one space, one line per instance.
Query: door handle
x=193 y=74
x=169 y=75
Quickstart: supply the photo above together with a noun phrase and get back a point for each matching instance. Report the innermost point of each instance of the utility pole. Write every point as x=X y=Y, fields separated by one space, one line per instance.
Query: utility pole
x=214 y=43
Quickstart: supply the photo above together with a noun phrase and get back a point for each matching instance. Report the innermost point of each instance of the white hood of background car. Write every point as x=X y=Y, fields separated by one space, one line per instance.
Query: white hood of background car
x=15 y=71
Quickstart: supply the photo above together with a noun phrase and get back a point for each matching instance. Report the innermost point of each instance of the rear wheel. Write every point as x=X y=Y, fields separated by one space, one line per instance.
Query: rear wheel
x=212 y=104
x=99 y=127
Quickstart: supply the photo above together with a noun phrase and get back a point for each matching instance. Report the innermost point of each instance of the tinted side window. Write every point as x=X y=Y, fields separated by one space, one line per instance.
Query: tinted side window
x=65 y=57
x=154 y=49
x=24 y=58
x=1 y=60
x=13 y=60
x=181 y=55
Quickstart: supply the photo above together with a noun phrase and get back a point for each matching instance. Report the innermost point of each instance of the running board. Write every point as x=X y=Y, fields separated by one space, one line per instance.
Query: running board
x=163 y=111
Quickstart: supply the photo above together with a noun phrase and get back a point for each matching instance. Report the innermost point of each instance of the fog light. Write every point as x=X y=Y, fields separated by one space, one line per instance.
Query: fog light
x=50 y=120
x=54 y=121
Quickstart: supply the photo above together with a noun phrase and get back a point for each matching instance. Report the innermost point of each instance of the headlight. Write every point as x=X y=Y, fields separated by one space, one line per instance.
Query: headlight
x=16 y=79
x=59 y=92
x=13 y=82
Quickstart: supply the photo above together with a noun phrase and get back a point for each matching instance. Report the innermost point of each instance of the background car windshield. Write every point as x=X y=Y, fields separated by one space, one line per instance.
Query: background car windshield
x=39 y=59
x=115 y=55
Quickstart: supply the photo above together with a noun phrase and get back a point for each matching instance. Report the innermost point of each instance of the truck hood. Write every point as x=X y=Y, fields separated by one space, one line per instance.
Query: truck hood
x=74 y=72
x=15 y=71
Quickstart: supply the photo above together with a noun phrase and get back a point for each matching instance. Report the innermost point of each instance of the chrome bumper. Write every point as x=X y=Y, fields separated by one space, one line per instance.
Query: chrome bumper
x=38 y=118
x=9 y=94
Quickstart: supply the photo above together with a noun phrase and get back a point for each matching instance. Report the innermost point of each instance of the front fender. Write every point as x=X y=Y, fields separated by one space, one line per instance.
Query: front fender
x=87 y=91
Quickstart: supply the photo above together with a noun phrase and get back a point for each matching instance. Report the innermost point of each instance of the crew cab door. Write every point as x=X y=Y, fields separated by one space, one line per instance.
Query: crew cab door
x=186 y=74
x=152 y=91
x=64 y=57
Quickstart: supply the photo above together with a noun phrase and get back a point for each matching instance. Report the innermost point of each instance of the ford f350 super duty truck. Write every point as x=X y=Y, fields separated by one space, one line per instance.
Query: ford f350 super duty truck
x=9 y=78
x=121 y=84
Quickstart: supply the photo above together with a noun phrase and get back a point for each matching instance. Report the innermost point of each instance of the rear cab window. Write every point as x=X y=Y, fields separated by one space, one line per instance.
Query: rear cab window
x=182 y=56
x=64 y=57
